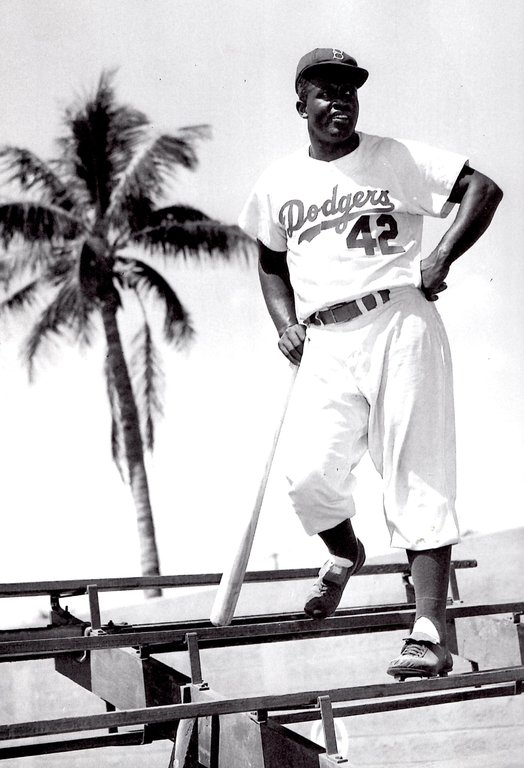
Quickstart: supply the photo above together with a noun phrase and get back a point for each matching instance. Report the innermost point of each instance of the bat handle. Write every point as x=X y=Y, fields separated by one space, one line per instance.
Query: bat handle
x=226 y=597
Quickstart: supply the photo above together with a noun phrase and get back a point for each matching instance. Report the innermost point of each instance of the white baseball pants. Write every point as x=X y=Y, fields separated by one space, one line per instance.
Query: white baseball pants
x=382 y=382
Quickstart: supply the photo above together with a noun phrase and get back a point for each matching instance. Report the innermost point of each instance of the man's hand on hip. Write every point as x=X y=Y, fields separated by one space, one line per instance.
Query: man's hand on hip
x=434 y=271
x=291 y=342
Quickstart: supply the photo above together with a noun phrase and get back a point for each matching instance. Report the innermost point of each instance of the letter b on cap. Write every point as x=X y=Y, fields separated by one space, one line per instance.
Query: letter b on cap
x=337 y=53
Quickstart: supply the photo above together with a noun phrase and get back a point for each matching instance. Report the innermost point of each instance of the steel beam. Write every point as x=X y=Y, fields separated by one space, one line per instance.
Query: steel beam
x=406 y=702
x=72 y=587
x=72 y=745
x=160 y=640
x=307 y=699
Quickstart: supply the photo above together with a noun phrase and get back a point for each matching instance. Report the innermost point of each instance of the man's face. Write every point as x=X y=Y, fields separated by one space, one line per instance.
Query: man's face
x=331 y=108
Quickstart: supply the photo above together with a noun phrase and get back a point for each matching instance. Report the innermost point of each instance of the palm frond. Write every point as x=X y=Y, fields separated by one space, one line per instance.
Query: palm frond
x=49 y=262
x=36 y=222
x=142 y=216
x=196 y=238
x=22 y=299
x=32 y=173
x=68 y=312
x=175 y=214
x=62 y=264
x=102 y=136
x=145 y=280
x=148 y=382
x=153 y=163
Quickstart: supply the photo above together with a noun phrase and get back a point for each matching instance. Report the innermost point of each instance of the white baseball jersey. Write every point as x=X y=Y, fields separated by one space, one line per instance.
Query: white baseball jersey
x=352 y=225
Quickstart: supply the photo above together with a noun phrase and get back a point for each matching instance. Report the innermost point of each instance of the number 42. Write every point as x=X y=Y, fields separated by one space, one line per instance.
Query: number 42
x=361 y=237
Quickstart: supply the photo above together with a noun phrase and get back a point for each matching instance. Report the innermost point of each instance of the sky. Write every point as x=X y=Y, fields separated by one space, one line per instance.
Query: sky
x=449 y=73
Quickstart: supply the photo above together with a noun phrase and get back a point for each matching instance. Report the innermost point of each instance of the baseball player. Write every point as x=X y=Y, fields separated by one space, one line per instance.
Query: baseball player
x=339 y=228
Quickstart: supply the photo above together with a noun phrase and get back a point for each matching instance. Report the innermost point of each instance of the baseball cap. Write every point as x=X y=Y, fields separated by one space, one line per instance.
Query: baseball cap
x=332 y=57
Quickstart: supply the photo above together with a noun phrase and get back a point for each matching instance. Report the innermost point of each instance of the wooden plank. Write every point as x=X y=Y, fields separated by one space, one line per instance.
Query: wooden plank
x=171 y=713
x=243 y=634
x=74 y=587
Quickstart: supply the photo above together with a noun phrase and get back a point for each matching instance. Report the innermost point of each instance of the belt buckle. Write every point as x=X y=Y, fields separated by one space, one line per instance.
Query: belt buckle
x=331 y=312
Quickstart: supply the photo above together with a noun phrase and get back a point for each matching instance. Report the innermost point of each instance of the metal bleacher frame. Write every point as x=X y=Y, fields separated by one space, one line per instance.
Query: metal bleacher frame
x=147 y=700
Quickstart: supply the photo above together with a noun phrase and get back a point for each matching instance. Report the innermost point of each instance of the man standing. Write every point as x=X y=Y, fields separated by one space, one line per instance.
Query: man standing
x=339 y=228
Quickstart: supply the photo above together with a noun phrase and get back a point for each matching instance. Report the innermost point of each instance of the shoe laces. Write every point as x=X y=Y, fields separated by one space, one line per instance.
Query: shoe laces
x=414 y=649
x=320 y=587
x=323 y=585
x=323 y=588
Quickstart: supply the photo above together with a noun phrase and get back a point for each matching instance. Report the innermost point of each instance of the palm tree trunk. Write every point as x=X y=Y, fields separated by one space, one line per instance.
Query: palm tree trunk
x=133 y=445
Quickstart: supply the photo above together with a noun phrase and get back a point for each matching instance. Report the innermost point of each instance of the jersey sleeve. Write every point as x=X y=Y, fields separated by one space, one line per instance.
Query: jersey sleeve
x=259 y=217
x=429 y=176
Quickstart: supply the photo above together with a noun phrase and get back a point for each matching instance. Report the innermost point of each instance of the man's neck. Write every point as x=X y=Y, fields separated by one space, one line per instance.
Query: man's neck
x=327 y=151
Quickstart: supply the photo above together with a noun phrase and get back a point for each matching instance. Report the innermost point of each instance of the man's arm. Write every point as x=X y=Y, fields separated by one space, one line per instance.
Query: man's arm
x=478 y=197
x=278 y=294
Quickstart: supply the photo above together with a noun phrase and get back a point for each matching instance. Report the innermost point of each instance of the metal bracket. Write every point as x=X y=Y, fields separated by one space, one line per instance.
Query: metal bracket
x=61 y=616
x=332 y=756
x=332 y=761
x=516 y=617
x=94 y=607
x=475 y=667
x=453 y=583
x=259 y=716
x=111 y=708
x=408 y=586
x=194 y=661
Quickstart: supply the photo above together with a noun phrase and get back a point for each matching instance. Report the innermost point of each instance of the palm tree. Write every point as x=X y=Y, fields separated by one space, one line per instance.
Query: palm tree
x=80 y=218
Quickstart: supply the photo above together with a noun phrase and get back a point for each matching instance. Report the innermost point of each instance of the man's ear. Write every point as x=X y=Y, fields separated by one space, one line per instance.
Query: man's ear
x=301 y=109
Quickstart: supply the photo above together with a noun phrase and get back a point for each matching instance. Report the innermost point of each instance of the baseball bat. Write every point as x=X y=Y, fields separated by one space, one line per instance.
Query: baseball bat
x=232 y=579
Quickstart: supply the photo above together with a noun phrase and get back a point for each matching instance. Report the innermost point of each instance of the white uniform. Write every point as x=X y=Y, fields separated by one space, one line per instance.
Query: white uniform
x=382 y=381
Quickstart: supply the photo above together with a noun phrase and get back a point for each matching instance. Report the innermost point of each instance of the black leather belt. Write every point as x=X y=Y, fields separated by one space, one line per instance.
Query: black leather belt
x=342 y=313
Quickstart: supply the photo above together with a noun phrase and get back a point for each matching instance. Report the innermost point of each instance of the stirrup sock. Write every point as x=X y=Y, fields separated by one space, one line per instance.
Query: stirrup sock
x=426 y=626
x=341 y=561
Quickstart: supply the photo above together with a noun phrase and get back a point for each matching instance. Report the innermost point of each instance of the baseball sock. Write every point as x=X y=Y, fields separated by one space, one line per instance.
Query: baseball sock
x=341 y=541
x=430 y=574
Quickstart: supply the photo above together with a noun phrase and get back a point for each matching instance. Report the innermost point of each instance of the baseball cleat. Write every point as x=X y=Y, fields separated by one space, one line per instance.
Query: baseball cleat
x=326 y=593
x=421 y=657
